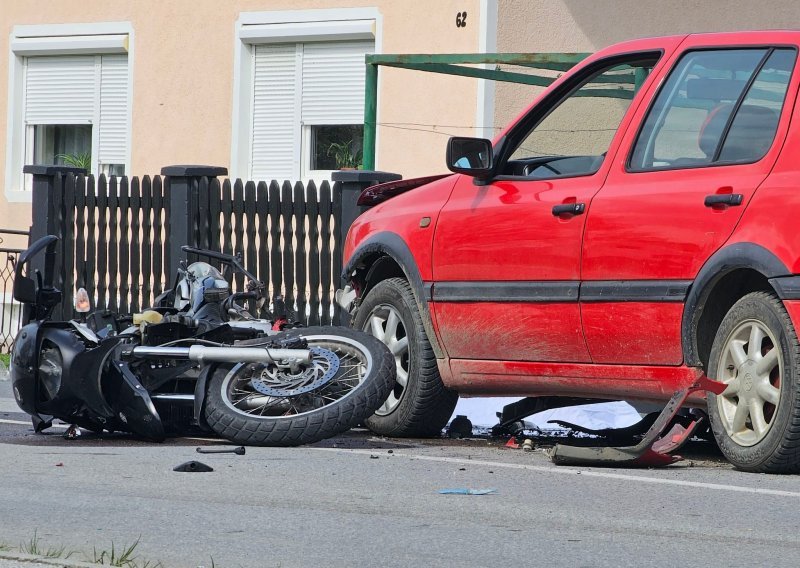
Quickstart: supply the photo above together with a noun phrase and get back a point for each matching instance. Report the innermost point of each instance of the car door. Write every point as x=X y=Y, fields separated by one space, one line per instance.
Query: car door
x=506 y=254
x=677 y=189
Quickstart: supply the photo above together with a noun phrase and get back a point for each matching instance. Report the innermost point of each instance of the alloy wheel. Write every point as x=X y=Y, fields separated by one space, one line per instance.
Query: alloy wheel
x=386 y=324
x=751 y=364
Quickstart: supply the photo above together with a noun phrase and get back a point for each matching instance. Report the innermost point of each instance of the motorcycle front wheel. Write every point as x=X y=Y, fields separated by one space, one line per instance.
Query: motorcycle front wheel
x=257 y=404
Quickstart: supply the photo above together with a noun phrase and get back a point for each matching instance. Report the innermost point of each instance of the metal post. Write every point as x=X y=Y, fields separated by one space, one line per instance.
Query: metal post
x=183 y=183
x=370 y=115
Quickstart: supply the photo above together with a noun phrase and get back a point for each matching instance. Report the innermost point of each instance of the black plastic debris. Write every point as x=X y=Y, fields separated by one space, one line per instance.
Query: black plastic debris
x=460 y=427
x=193 y=466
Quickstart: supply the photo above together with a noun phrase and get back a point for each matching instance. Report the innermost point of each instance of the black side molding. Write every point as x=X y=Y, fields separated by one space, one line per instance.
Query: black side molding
x=635 y=291
x=787 y=287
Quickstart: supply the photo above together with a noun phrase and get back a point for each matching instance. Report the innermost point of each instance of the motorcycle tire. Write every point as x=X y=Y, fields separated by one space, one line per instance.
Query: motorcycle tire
x=235 y=409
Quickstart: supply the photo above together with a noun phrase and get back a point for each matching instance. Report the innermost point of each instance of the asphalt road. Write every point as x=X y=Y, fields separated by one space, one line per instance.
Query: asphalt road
x=363 y=501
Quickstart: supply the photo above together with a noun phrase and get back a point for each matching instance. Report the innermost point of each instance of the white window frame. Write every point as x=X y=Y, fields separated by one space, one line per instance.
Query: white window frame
x=55 y=39
x=291 y=26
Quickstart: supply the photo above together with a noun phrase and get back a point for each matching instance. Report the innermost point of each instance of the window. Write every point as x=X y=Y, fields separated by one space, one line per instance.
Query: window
x=69 y=100
x=717 y=106
x=298 y=106
x=573 y=138
x=314 y=92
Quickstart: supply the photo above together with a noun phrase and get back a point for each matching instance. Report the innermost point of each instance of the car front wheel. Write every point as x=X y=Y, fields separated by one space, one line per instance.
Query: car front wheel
x=756 y=420
x=419 y=404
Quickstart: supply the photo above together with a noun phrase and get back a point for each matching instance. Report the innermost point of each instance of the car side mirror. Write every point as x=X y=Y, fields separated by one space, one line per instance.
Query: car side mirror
x=470 y=156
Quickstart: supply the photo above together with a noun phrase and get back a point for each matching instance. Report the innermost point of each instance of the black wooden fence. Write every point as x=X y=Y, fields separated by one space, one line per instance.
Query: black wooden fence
x=121 y=237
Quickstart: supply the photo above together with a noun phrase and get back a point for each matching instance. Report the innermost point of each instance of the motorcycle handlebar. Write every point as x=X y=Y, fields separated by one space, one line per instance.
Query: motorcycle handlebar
x=226 y=258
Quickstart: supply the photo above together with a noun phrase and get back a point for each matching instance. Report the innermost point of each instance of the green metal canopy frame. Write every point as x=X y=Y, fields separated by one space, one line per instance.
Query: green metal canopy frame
x=451 y=64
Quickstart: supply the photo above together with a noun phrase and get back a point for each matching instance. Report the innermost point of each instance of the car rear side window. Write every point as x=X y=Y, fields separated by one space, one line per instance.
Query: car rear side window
x=719 y=106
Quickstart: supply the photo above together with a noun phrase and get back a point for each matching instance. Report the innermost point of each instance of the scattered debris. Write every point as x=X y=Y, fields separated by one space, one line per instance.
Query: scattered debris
x=460 y=427
x=60 y=464
x=72 y=433
x=193 y=466
x=527 y=445
x=466 y=491
x=238 y=451
x=373 y=457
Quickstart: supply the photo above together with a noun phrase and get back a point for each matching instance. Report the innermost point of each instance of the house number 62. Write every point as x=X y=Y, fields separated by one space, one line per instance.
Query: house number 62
x=461 y=20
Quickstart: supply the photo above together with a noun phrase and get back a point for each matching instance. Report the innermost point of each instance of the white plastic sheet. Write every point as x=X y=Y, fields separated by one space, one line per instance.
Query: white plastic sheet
x=482 y=412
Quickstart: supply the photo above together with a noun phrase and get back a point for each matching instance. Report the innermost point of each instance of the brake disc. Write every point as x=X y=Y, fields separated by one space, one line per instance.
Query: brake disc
x=274 y=381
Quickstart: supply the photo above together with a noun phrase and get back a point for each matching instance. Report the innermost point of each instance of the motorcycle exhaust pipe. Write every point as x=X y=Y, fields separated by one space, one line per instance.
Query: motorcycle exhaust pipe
x=205 y=354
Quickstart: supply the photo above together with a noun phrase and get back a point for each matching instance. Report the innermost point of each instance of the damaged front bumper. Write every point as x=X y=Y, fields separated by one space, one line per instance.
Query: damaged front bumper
x=654 y=448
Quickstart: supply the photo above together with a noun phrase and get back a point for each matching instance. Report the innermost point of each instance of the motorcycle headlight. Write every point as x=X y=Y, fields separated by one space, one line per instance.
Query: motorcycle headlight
x=50 y=370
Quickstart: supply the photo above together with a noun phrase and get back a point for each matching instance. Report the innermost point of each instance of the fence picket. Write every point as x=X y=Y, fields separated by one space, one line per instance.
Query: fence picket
x=136 y=302
x=287 y=245
x=90 y=276
x=238 y=227
x=123 y=243
x=300 y=253
x=326 y=211
x=314 y=282
x=147 y=242
x=262 y=212
x=227 y=214
x=275 y=237
x=102 y=242
x=160 y=218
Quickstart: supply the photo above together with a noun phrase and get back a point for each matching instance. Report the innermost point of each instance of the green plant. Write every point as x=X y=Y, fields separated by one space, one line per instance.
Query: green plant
x=79 y=160
x=34 y=547
x=345 y=154
x=123 y=558
x=5 y=359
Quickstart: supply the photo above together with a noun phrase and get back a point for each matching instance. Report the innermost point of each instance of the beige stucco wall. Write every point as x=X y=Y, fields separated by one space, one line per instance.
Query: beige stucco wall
x=183 y=77
x=532 y=26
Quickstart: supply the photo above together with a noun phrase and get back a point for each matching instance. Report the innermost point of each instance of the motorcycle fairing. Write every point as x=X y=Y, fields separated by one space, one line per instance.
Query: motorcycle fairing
x=133 y=408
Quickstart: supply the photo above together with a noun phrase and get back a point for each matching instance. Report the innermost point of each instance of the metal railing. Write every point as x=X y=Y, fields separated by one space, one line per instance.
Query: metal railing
x=10 y=310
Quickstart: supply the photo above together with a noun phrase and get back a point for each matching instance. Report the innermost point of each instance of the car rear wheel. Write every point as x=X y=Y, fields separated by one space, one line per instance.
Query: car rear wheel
x=756 y=420
x=419 y=404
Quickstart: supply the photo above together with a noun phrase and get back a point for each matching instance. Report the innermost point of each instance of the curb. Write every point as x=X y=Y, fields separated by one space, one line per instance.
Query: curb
x=59 y=562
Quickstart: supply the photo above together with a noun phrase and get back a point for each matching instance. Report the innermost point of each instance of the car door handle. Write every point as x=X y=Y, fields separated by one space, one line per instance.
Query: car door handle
x=731 y=199
x=569 y=209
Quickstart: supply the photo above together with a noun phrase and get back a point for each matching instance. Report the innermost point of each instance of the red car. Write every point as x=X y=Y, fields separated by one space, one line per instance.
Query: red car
x=633 y=229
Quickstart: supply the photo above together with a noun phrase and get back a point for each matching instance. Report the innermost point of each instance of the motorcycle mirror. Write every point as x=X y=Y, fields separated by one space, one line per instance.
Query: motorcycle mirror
x=81 y=301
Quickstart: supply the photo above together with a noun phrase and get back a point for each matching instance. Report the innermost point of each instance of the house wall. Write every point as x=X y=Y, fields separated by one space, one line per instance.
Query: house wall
x=531 y=26
x=183 y=71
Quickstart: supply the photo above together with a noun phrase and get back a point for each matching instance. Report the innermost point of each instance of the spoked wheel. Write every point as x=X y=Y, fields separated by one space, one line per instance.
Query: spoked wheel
x=756 y=420
x=419 y=404
x=260 y=404
x=386 y=324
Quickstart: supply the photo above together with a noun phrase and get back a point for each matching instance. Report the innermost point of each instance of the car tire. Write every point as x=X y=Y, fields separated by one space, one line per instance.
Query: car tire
x=422 y=406
x=756 y=421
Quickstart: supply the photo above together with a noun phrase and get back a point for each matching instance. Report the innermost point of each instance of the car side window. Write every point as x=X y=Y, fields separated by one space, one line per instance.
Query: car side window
x=573 y=137
x=716 y=106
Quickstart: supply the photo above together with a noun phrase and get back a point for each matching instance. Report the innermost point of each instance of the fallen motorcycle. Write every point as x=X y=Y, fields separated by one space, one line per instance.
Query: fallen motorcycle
x=197 y=359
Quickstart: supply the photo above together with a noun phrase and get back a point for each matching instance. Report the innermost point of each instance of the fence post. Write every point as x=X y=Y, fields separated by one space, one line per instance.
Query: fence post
x=348 y=185
x=49 y=185
x=182 y=183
